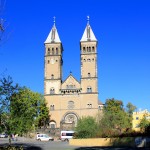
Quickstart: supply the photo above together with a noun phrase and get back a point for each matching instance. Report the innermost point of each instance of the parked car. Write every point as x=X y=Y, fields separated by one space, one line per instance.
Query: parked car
x=3 y=135
x=44 y=137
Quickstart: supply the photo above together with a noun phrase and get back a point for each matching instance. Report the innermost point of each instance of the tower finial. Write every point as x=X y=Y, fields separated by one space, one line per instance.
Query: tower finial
x=54 y=19
x=88 y=19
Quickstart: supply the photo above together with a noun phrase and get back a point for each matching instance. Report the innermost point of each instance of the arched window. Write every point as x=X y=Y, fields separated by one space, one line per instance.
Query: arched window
x=88 y=60
x=89 y=75
x=52 y=107
x=70 y=104
x=52 y=51
x=100 y=107
x=89 y=89
x=89 y=105
x=52 y=124
x=48 y=61
x=52 y=76
x=52 y=91
x=89 y=49
x=93 y=49
x=48 y=52
x=56 y=51
x=84 y=50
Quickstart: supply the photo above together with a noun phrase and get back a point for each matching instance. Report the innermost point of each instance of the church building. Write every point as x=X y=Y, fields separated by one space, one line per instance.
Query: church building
x=70 y=99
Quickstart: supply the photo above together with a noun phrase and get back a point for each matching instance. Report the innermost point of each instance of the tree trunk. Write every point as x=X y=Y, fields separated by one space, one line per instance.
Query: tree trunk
x=9 y=139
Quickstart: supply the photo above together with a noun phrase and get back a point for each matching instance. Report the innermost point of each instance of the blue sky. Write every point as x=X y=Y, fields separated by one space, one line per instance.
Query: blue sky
x=122 y=28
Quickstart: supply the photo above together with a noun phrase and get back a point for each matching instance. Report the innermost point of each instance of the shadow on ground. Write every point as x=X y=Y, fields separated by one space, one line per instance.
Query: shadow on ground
x=110 y=148
x=5 y=146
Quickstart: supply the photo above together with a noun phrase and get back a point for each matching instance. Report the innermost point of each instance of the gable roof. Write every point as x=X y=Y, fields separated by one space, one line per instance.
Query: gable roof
x=72 y=80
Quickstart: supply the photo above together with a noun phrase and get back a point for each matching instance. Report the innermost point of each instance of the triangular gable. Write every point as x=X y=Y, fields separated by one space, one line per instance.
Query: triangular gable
x=70 y=83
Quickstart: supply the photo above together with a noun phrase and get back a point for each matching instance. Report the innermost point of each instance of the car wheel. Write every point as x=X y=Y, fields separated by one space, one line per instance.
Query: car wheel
x=66 y=140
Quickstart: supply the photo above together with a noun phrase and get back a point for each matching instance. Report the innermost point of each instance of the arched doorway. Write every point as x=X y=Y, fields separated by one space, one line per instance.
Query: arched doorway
x=69 y=121
x=52 y=124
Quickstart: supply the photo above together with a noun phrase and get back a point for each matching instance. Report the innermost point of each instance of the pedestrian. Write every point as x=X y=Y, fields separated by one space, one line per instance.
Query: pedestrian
x=13 y=137
x=16 y=137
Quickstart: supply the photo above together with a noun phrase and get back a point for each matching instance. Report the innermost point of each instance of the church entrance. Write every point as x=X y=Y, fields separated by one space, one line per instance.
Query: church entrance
x=69 y=121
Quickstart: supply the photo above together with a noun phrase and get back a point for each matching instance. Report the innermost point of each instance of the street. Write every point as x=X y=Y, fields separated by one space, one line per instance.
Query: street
x=32 y=144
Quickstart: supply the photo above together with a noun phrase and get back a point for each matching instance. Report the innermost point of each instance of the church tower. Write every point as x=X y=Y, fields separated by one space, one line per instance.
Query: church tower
x=89 y=81
x=53 y=62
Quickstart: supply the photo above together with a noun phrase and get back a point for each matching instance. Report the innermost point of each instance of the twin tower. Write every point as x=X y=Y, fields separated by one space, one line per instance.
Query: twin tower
x=70 y=100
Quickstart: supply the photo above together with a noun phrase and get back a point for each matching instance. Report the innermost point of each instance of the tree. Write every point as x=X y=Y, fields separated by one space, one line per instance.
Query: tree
x=21 y=110
x=144 y=124
x=86 y=127
x=130 y=108
x=7 y=89
x=28 y=110
x=115 y=120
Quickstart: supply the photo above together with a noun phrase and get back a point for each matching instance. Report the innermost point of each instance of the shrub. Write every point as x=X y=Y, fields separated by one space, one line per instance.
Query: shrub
x=86 y=128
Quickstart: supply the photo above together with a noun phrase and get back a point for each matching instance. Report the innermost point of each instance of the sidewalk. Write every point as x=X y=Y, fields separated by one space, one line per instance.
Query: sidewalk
x=24 y=139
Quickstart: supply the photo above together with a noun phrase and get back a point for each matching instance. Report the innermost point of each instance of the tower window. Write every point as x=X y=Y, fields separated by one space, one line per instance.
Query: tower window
x=88 y=60
x=52 y=107
x=52 y=51
x=52 y=76
x=89 y=49
x=84 y=50
x=52 y=91
x=93 y=49
x=89 y=75
x=89 y=89
x=48 y=52
x=48 y=61
x=56 y=51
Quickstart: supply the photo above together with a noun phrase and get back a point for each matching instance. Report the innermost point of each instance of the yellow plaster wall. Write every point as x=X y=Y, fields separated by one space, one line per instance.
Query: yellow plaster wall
x=103 y=142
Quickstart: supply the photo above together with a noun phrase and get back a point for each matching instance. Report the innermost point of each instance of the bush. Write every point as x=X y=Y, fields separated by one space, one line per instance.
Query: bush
x=86 y=128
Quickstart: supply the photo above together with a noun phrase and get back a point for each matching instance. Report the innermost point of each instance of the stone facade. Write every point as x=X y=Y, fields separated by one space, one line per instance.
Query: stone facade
x=70 y=100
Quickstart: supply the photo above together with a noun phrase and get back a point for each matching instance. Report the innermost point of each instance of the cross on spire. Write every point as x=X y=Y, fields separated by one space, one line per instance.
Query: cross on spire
x=88 y=19
x=54 y=19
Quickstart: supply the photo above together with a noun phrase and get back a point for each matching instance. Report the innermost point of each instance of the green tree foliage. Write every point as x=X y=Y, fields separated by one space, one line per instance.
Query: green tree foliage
x=144 y=124
x=86 y=127
x=7 y=89
x=21 y=110
x=130 y=108
x=115 y=120
x=28 y=110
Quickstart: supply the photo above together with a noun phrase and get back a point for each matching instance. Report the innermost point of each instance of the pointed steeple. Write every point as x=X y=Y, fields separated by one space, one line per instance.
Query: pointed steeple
x=88 y=34
x=53 y=36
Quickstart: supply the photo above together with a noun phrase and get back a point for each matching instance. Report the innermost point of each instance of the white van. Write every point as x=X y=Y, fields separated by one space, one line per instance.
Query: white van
x=66 y=135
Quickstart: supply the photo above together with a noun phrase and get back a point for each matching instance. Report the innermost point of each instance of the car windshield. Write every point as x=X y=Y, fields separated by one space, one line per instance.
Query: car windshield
x=46 y=136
